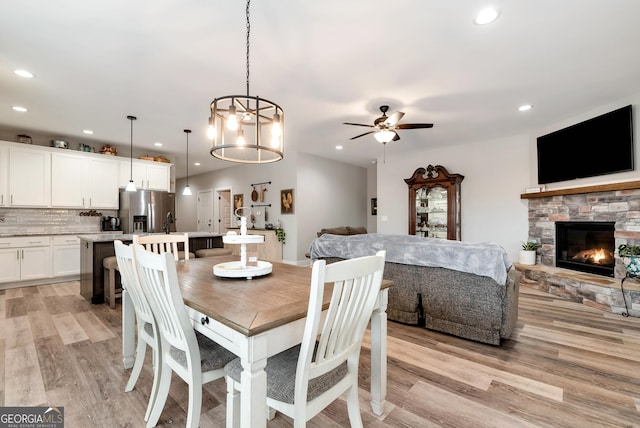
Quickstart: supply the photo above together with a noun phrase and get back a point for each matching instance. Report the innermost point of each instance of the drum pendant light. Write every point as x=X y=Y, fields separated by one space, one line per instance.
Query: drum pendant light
x=131 y=187
x=245 y=128
x=187 y=189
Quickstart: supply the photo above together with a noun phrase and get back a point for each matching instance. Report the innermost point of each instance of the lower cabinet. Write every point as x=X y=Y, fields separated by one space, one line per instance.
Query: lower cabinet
x=65 y=255
x=25 y=258
x=39 y=257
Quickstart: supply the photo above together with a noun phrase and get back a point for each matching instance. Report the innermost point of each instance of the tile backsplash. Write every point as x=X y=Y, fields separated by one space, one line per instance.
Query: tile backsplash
x=24 y=221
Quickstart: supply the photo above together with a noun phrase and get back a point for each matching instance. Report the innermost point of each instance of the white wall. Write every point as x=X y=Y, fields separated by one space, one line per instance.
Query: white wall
x=332 y=194
x=238 y=177
x=326 y=194
x=496 y=173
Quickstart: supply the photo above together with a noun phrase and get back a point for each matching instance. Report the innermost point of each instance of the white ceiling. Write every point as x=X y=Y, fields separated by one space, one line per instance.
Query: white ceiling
x=325 y=62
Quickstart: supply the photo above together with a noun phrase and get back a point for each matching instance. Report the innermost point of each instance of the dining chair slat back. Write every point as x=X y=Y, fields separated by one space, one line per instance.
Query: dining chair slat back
x=146 y=325
x=165 y=243
x=191 y=355
x=303 y=380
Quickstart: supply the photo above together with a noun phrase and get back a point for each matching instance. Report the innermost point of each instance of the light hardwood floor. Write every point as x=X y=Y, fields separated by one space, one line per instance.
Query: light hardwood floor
x=567 y=365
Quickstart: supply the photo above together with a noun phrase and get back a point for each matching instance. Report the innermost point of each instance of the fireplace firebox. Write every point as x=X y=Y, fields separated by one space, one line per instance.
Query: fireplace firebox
x=586 y=246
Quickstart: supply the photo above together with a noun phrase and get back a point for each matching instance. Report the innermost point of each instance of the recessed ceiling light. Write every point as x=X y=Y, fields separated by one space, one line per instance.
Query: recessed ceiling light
x=23 y=73
x=196 y=163
x=338 y=147
x=486 y=16
x=20 y=109
x=157 y=144
x=87 y=131
x=525 y=107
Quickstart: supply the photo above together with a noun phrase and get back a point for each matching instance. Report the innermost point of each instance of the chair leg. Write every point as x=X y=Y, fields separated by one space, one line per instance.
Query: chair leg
x=141 y=350
x=161 y=399
x=353 y=406
x=195 y=402
x=233 y=404
x=156 y=381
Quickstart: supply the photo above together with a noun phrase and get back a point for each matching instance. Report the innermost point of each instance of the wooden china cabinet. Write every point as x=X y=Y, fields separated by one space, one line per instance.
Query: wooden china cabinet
x=434 y=203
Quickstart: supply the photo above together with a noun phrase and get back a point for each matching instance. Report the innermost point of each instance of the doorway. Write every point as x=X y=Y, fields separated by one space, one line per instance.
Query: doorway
x=205 y=211
x=223 y=212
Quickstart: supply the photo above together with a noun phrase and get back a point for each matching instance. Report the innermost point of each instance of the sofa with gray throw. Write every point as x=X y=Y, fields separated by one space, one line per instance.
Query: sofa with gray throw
x=467 y=289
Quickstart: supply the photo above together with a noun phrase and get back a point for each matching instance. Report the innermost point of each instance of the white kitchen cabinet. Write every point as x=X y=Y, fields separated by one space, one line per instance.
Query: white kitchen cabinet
x=4 y=178
x=29 y=177
x=9 y=264
x=102 y=185
x=67 y=180
x=146 y=175
x=83 y=181
x=25 y=258
x=65 y=251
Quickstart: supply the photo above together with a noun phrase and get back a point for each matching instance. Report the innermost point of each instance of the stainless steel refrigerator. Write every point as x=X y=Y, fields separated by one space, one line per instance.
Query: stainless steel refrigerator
x=147 y=211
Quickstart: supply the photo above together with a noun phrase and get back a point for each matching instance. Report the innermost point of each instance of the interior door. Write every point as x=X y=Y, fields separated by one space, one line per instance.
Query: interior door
x=205 y=211
x=223 y=214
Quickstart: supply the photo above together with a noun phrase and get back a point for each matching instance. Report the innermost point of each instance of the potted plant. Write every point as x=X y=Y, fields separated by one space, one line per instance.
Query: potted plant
x=630 y=255
x=527 y=255
x=281 y=235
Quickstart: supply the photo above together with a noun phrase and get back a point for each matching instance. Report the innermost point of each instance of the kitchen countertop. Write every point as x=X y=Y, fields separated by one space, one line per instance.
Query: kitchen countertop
x=19 y=235
x=107 y=237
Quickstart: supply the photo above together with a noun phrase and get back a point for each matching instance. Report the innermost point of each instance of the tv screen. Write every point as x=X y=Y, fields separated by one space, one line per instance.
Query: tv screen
x=598 y=146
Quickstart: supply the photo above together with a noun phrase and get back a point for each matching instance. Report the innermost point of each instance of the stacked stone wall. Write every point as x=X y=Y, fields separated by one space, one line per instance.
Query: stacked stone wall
x=621 y=207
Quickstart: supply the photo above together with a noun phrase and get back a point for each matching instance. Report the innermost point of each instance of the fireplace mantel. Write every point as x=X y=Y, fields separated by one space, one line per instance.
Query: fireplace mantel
x=629 y=185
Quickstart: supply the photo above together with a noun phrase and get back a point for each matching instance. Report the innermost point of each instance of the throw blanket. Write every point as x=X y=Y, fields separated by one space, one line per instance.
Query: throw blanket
x=480 y=258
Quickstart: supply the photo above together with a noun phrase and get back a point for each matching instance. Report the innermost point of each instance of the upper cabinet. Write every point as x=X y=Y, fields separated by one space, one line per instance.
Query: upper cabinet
x=43 y=177
x=146 y=174
x=4 y=176
x=29 y=177
x=434 y=203
x=84 y=181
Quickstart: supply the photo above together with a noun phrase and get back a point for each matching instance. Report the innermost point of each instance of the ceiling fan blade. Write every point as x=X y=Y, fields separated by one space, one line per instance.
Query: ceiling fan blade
x=362 y=135
x=357 y=124
x=396 y=137
x=413 y=125
x=394 y=118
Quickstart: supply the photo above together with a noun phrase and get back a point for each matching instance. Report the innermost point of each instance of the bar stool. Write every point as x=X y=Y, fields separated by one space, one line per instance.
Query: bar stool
x=109 y=267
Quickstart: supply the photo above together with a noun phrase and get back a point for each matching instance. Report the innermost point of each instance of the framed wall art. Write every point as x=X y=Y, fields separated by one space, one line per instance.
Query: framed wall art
x=286 y=201
x=238 y=202
x=374 y=206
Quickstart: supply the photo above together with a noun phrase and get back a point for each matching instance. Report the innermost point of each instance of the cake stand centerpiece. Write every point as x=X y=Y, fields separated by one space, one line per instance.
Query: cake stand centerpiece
x=242 y=269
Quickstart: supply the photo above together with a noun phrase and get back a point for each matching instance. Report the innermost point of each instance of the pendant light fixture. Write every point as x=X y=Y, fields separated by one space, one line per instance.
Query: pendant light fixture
x=187 y=189
x=131 y=187
x=245 y=128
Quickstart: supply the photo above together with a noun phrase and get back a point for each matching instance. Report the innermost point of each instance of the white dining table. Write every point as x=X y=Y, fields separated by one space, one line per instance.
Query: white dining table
x=255 y=319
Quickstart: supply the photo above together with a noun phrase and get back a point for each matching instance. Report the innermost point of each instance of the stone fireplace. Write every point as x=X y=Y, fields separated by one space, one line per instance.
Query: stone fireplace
x=568 y=221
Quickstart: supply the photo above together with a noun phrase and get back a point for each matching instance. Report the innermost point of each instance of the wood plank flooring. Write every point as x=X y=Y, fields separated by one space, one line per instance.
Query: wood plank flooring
x=567 y=365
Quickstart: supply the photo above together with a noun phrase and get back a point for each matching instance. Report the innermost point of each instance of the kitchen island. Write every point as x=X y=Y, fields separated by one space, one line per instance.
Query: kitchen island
x=94 y=248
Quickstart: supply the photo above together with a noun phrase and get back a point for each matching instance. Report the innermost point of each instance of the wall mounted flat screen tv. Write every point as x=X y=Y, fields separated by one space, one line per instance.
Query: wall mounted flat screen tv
x=598 y=146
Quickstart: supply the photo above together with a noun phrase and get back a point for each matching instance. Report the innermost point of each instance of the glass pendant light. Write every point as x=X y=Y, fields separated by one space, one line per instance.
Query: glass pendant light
x=131 y=187
x=187 y=189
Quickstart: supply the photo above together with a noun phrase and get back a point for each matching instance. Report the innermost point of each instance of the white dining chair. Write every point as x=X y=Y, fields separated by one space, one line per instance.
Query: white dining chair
x=191 y=355
x=146 y=325
x=305 y=379
x=163 y=243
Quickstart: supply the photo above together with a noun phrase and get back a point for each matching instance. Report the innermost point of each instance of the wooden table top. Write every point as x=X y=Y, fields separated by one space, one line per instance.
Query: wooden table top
x=249 y=306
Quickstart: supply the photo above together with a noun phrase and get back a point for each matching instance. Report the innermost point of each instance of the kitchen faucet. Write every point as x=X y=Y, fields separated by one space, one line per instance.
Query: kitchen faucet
x=167 y=227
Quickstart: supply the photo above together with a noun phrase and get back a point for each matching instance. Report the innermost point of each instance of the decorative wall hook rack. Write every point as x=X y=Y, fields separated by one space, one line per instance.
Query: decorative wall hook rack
x=260 y=205
x=264 y=182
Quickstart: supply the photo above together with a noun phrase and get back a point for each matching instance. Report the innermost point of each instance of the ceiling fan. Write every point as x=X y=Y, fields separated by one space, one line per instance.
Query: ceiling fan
x=385 y=127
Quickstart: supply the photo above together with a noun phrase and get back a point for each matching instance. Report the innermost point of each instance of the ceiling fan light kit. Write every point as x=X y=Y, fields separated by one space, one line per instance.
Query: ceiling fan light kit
x=245 y=128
